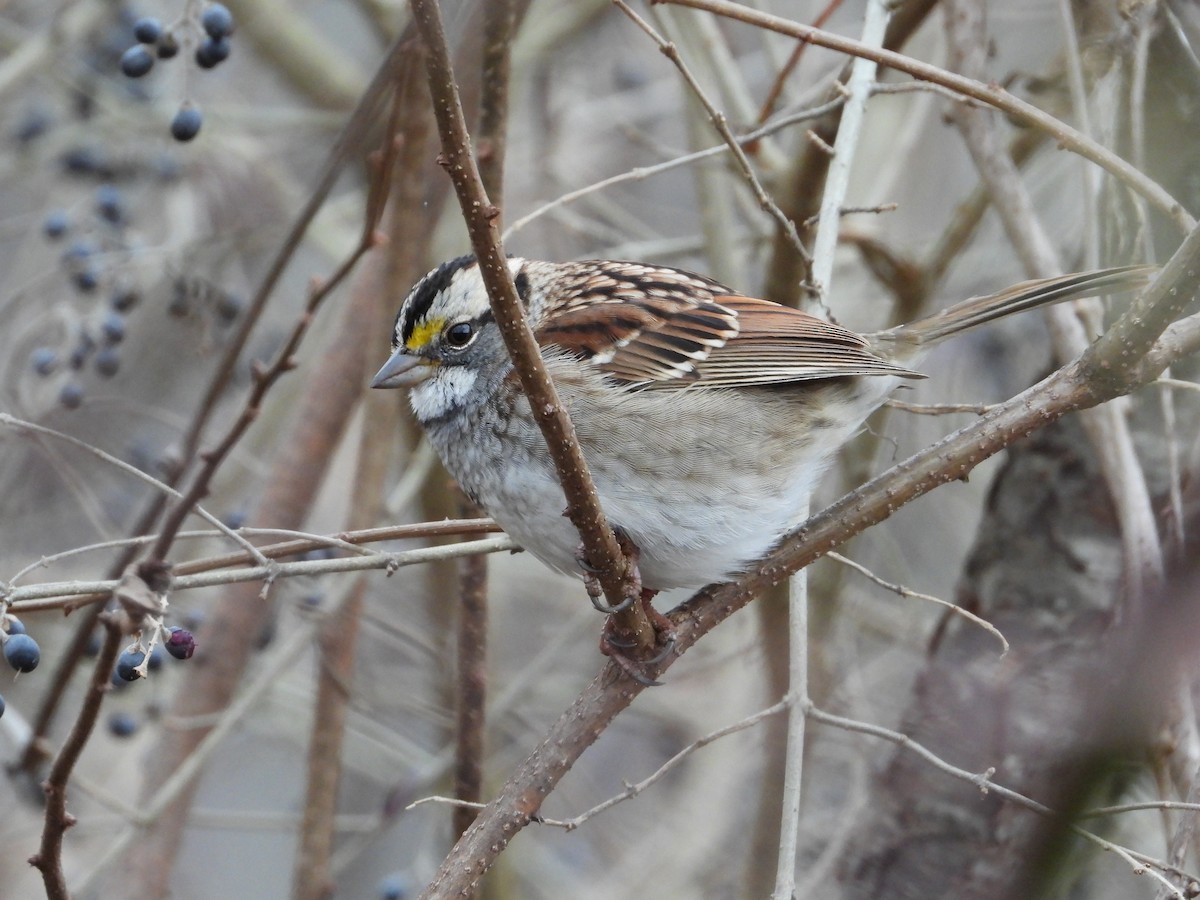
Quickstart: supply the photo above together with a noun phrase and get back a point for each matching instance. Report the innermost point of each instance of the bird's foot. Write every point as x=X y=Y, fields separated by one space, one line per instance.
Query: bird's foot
x=616 y=645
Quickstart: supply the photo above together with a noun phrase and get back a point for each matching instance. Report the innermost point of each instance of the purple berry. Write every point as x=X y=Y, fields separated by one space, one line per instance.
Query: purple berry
x=180 y=643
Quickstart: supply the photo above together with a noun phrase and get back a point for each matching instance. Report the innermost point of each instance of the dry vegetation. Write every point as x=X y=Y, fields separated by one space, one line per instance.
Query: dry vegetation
x=348 y=668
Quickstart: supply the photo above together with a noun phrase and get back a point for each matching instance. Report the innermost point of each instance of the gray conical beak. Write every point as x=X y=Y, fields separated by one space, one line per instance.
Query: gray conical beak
x=402 y=370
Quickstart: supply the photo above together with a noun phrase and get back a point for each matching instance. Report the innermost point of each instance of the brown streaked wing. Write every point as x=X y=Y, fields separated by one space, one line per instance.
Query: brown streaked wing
x=644 y=338
x=678 y=340
x=777 y=344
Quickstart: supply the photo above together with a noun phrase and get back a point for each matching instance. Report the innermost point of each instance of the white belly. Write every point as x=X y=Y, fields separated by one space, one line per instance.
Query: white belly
x=703 y=482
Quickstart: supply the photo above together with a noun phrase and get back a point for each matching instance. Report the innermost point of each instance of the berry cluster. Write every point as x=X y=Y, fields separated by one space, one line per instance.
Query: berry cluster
x=135 y=664
x=94 y=237
x=22 y=653
x=212 y=38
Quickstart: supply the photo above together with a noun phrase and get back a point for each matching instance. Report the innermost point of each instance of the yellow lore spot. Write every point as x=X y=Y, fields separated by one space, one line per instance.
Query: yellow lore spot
x=423 y=333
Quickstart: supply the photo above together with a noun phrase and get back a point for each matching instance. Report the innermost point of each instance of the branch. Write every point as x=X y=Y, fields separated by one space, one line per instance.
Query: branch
x=57 y=819
x=993 y=95
x=950 y=459
x=600 y=546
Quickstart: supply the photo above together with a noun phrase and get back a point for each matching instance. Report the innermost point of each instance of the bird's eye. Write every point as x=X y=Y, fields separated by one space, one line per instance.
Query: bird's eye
x=460 y=334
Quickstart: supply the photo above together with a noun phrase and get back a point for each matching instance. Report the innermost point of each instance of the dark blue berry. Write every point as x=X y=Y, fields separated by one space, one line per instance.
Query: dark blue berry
x=44 y=360
x=137 y=61
x=108 y=362
x=108 y=204
x=32 y=126
x=394 y=887
x=71 y=395
x=22 y=652
x=217 y=21
x=180 y=643
x=92 y=648
x=2 y=705
x=86 y=160
x=147 y=30
x=229 y=307
x=156 y=658
x=127 y=664
x=113 y=328
x=15 y=625
x=122 y=724
x=56 y=224
x=78 y=251
x=212 y=53
x=86 y=279
x=124 y=299
x=235 y=519
x=186 y=124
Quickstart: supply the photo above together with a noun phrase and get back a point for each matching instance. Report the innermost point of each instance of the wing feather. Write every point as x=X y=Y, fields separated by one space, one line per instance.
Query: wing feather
x=692 y=335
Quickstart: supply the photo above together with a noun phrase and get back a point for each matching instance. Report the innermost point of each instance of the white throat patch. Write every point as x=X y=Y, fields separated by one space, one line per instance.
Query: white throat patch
x=447 y=389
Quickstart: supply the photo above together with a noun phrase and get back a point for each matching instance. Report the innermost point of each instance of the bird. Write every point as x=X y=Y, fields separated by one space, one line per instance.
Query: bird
x=706 y=416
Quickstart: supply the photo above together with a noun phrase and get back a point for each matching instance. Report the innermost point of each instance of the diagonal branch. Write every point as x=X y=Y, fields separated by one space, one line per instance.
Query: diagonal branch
x=1075 y=386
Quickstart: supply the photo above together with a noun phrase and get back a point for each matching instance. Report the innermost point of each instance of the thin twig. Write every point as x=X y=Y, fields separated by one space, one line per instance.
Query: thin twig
x=992 y=95
x=908 y=593
x=57 y=820
x=55 y=594
x=983 y=781
x=721 y=125
x=643 y=172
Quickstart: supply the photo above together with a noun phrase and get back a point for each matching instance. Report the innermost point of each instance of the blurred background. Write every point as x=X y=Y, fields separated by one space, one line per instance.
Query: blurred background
x=129 y=264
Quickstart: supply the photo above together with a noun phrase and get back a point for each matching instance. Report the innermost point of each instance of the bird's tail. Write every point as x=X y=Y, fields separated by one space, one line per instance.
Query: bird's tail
x=1018 y=298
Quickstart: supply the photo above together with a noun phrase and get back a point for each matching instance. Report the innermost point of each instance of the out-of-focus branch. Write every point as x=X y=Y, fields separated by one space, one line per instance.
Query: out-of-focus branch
x=408 y=135
x=993 y=95
x=1107 y=429
x=600 y=546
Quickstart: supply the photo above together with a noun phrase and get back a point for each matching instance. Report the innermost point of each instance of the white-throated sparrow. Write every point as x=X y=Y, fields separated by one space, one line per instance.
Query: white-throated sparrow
x=706 y=416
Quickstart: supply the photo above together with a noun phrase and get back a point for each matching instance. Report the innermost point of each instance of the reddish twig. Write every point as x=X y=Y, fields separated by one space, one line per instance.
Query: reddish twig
x=57 y=820
x=600 y=545
x=471 y=688
x=776 y=89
